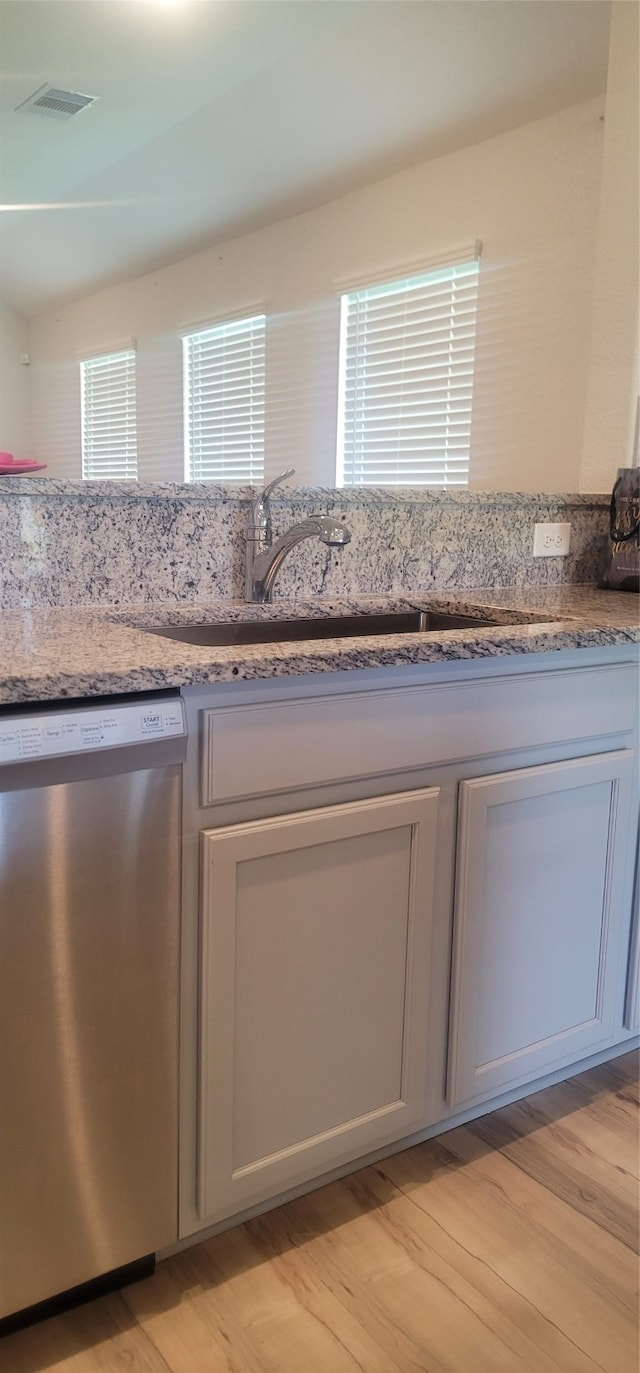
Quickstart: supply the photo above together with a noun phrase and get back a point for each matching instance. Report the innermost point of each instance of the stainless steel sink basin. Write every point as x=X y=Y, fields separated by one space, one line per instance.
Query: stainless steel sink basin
x=325 y=627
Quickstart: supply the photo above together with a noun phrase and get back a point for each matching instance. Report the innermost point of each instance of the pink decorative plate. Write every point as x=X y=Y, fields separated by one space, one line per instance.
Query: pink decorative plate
x=11 y=466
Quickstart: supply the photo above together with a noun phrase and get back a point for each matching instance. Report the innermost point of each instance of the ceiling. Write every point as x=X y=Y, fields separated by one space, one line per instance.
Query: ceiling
x=216 y=117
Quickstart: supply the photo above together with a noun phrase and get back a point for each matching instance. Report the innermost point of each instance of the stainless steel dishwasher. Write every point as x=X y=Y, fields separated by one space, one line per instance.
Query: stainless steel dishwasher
x=89 y=930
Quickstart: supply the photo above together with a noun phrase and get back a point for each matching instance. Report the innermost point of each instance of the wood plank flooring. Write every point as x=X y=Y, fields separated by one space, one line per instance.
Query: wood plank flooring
x=505 y=1246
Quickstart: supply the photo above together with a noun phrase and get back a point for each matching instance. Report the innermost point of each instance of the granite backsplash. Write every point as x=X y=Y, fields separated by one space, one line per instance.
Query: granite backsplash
x=114 y=543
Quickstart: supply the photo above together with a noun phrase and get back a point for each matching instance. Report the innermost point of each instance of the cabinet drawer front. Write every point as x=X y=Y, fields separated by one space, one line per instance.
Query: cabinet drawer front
x=257 y=750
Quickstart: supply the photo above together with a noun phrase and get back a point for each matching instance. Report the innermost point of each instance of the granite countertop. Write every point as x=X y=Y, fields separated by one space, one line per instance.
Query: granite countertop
x=49 y=654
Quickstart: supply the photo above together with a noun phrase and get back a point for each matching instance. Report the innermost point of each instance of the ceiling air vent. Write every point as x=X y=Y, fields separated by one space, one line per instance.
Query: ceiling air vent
x=52 y=103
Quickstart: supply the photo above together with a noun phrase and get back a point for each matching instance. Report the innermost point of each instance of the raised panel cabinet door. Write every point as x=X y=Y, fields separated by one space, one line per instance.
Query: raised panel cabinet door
x=541 y=889
x=315 y=960
x=632 y=1005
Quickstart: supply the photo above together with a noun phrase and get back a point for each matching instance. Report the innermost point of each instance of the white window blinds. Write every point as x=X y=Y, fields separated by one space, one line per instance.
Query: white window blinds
x=224 y=371
x=406 y=380
x=108 y=399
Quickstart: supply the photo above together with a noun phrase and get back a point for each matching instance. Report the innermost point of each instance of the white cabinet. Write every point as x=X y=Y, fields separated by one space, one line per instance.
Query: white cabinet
x=357 y=850
x=540 y=921
x=316 y=929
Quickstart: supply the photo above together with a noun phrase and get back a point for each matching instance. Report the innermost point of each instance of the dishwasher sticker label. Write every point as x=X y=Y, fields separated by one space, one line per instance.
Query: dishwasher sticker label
x=49 y=736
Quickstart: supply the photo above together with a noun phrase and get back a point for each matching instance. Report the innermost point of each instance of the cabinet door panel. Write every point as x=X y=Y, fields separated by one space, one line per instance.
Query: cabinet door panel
x=539 y=915
x=632 y=1008
x=316 y=932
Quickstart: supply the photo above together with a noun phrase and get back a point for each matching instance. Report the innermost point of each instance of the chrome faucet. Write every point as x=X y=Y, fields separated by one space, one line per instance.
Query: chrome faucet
x=265 y=558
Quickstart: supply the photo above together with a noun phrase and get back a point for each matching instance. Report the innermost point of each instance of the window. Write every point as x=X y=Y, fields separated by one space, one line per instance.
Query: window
x=224 y=402
x=406 y=379
x=108 y=400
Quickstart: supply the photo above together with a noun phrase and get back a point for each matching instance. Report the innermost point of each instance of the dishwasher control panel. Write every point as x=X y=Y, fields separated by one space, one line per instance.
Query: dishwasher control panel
x=89 y=728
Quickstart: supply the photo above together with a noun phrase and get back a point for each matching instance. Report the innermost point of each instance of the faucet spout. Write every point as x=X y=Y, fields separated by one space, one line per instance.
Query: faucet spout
x=261 y=512
x=265 y=557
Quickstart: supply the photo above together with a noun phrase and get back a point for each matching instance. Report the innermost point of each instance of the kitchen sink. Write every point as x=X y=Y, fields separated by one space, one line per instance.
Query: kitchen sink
x=324 y=627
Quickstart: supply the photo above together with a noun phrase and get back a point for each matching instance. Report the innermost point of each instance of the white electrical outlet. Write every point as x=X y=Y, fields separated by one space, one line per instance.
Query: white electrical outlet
x=551 y=540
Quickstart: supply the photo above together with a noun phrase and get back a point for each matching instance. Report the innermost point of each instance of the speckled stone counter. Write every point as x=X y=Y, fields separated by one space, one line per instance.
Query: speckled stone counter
x=75 y=652
x=117 y=543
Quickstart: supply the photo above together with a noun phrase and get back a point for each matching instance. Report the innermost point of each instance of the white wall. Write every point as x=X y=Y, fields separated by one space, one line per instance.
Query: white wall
x=15 y=419
x=613 y=382
x=530 y=195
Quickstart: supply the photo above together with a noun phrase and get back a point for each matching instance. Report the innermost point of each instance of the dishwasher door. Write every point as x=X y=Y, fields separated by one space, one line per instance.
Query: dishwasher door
x=89 y=930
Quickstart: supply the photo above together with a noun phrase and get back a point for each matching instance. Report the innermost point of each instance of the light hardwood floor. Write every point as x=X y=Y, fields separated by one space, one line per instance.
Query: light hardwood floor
x=504 y=1246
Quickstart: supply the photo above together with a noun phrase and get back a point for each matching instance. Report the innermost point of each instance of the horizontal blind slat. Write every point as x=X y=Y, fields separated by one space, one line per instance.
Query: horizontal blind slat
x=425 y=307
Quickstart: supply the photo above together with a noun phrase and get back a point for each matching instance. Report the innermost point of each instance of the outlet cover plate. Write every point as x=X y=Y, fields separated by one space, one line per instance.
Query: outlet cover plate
x=551 y=540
